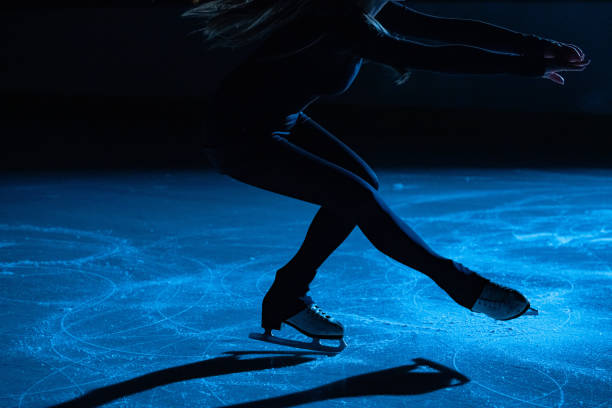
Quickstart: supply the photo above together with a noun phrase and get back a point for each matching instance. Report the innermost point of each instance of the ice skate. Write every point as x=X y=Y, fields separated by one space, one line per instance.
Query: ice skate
x=502 y=303
x=311 y=321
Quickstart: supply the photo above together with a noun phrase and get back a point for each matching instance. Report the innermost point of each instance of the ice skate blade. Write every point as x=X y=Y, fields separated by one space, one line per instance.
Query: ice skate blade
x=527 y=312
x=315 y=345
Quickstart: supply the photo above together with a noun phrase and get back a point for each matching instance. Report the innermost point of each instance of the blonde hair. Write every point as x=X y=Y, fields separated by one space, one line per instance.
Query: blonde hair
x=236 y=23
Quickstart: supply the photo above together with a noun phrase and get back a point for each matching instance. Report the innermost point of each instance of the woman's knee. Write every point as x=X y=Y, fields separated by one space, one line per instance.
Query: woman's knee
x=347 y=158
x=372 y=179
x=360 y=196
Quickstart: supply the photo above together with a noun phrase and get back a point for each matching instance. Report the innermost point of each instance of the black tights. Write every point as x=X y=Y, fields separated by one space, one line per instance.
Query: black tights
x=311 y=164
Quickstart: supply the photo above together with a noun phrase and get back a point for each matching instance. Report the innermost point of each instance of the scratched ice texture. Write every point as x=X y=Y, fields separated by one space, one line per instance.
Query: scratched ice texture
x=139 y=289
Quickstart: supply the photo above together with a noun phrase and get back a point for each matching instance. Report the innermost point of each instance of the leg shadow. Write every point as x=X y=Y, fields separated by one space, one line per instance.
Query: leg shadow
x=232 y=363
x=401 y=380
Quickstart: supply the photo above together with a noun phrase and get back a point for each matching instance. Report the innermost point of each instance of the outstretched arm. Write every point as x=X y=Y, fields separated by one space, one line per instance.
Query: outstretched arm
x=402 y=54
x=360 y=32
x=453 y=59
x=403 y=20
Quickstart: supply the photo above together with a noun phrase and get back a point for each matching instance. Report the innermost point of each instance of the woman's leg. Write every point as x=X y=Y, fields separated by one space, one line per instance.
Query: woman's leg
x=279 y=166
x=327 y=230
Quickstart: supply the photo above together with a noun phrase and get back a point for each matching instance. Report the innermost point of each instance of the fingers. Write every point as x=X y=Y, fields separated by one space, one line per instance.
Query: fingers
x=555 y=77
x=566 y=69
x=563 y=54
x=568 y=66
x=578 y=50
x=575 y=54
x=574 y=57
x=566 y=52
x=579 y=66
x=553 y=73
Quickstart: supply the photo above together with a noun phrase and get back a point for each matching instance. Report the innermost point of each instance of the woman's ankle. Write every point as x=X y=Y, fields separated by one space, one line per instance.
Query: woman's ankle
x=292 y=282
x=279 y=305
x=469 y=284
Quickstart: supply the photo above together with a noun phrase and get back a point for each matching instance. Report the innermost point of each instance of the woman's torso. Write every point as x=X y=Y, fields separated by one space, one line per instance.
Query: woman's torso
x=291 y=69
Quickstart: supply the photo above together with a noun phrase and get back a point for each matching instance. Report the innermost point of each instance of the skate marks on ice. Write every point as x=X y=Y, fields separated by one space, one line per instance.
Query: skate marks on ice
x=34 y=262
x=541 y=232
x=520 y=382
x=100 y=311
x=31 y=245
x=536 y=216
x=120 y=310
x=547 y=234
x=85 y=309
x=397 y=302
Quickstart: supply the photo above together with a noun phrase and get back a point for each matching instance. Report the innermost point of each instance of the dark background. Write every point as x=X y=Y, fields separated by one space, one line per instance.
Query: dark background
x=95 y=84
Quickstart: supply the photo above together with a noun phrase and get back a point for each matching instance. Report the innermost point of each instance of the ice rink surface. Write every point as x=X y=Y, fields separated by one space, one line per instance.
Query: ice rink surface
x=139 y=289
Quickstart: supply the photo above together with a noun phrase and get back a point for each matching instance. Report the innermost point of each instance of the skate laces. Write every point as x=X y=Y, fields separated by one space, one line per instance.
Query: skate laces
x=497 y=293
x=315 y=309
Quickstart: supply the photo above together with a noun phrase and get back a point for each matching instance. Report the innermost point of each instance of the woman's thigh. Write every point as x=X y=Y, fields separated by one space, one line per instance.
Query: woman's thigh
x=311 y=136
x=278 y=165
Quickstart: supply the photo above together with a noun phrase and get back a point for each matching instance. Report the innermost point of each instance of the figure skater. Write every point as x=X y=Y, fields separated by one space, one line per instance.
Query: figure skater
x=257 y=133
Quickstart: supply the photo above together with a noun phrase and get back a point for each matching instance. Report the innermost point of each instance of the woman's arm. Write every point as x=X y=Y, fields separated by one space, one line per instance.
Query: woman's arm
x=453 y=59
x=403 y=20
x=402 y=54
x=365 y=37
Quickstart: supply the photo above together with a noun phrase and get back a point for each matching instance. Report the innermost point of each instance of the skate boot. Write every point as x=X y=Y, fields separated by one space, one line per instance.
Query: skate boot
x=314 y=322
x=502 y=303
x=303 y=315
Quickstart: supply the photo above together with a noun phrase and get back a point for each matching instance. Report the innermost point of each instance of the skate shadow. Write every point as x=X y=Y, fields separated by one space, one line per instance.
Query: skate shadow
x=229 y=364
x=403 y=380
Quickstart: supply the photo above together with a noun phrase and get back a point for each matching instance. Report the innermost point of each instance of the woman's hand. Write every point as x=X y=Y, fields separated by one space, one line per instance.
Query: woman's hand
x=568 y=61
x=558 y=56
x=563 y=52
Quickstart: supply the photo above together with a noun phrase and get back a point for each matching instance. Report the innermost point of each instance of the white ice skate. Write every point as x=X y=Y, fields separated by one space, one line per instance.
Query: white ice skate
x=502 y=303
x=312 y=322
